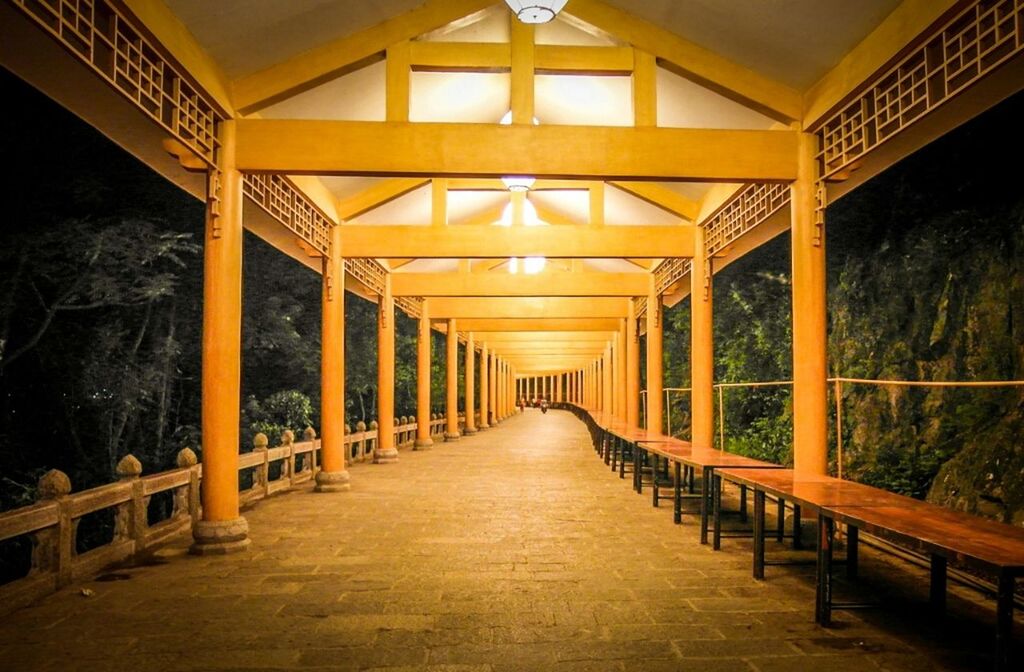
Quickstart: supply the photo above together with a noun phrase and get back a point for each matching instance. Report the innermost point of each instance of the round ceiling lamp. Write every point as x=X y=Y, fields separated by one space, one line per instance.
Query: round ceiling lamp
x=536 y=11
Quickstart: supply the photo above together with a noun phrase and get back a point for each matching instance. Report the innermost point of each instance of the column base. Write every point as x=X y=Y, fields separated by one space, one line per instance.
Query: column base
x=483 y=427
x=386 y=456
x=332 y=481
x=451 y=437
x=220 y=537
x=423 y=444
x=469 y=430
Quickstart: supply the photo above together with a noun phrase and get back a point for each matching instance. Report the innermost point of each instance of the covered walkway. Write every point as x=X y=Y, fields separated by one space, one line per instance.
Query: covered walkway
x=512 y=549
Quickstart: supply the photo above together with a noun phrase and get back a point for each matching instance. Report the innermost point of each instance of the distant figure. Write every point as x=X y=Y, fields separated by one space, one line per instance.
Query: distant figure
x=522 y=404
x=543 y=405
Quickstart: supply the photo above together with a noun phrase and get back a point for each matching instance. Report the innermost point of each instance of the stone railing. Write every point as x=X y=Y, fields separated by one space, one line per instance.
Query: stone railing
x=52 y=522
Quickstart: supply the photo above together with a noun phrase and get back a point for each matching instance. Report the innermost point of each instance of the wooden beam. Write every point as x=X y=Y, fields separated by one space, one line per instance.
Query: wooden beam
x=526 y=308
x=377 y=195
x=327 y=147
x=497 y=57
x=396 y=88
x=549 y=336
x=439 y=202
x=582 y=60
x=659 y=196
x=488 y=184
x=596 y=203
x=507 y=284
x=522 y=71
x=325 y=62
x=645 y=90
x=460 y=56
x=544 y=324
x=692 y=61
x=490 y=242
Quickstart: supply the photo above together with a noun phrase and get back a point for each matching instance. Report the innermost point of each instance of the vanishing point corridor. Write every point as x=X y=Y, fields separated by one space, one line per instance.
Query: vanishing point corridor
x=512 y=549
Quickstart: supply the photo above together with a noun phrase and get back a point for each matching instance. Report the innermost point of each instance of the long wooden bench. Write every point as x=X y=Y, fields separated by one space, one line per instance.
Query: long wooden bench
x=940 y=533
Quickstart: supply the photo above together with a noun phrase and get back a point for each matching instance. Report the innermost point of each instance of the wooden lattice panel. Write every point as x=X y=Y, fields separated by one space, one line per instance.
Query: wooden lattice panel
x=669 y=272
x=368 y=272
x=969 y=46
x=410 y=305
x=108 y=41
x=283 y=201
x=750 y=207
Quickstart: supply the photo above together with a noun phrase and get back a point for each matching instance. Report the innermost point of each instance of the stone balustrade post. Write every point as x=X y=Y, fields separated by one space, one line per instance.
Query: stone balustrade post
x=53 y=547
x=259 y=477
x=187 y=498
x=371 y=448
x=348 y=445
x=287 y=441
x=130 y=518
x=361 y=428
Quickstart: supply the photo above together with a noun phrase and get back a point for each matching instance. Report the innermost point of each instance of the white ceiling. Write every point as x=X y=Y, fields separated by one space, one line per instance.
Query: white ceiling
x=793 y=41
x=245 y=36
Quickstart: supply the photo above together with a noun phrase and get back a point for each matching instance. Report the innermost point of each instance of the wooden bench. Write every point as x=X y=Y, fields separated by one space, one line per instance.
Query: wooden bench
x=940 y=533
x=706 y=461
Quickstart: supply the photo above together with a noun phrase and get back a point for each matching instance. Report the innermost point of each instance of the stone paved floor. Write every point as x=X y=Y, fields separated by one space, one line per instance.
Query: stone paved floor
x=515 y=549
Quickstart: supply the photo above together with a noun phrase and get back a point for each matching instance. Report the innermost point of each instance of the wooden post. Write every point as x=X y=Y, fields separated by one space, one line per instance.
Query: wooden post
x=484 y=393
x=654 y=359
x=333 y=476
x=423 y=440
x=632 y=367
x=810 y=391
x=384 y=450
x=702 y=367
x=222 y=529
x=451 y=383
x=470 y=427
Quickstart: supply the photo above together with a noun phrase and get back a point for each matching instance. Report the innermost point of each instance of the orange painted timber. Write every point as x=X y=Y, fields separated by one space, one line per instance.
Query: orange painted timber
x=332 y=359
x=655 y=327
x=702 y=368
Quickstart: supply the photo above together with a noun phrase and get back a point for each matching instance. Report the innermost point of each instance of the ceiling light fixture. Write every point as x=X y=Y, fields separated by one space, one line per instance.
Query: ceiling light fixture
x=536 y=11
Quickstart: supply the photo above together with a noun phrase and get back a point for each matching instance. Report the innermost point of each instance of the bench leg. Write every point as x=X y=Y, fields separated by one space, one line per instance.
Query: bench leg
x=1004 y=621
x=716 y=504
x=677 y=497
x=780 y=524
x=937 y=588
x=705 y=493
x=743 y=503
x=823 y=594
x=613 y=453
x=797 y=544
x=654 y=481
x=758 y=534
x=852 y=551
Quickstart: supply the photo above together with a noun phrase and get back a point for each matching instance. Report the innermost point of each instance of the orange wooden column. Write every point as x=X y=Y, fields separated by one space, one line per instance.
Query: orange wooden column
x=386 y=451
x=332 y=477
x=606 y=380
x=484 y=424
x=632 y=368
x=702 y=366
x=470 y=385
x=423 y=440
x=654 y=359
x=492 y=392
x=810 y=449
x=222 y=529
x=451 y=383
x=620 y=370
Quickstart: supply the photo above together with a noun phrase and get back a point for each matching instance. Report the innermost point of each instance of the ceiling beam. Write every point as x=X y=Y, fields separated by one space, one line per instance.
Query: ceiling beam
x=377 y=195
x=428 y=56
x=508 y=284
x=326 y=147
x=330 y=60
x=550 y=336
x=536 y=325
x=694 y=62
x=491 y=242
x=525 y=308
x=661 y=197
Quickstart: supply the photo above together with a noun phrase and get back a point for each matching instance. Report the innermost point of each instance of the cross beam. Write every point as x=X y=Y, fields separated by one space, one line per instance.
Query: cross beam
x=507 y=284
x=526 y=308
x=537 y=324
x=495 y=242
x=326 y=147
